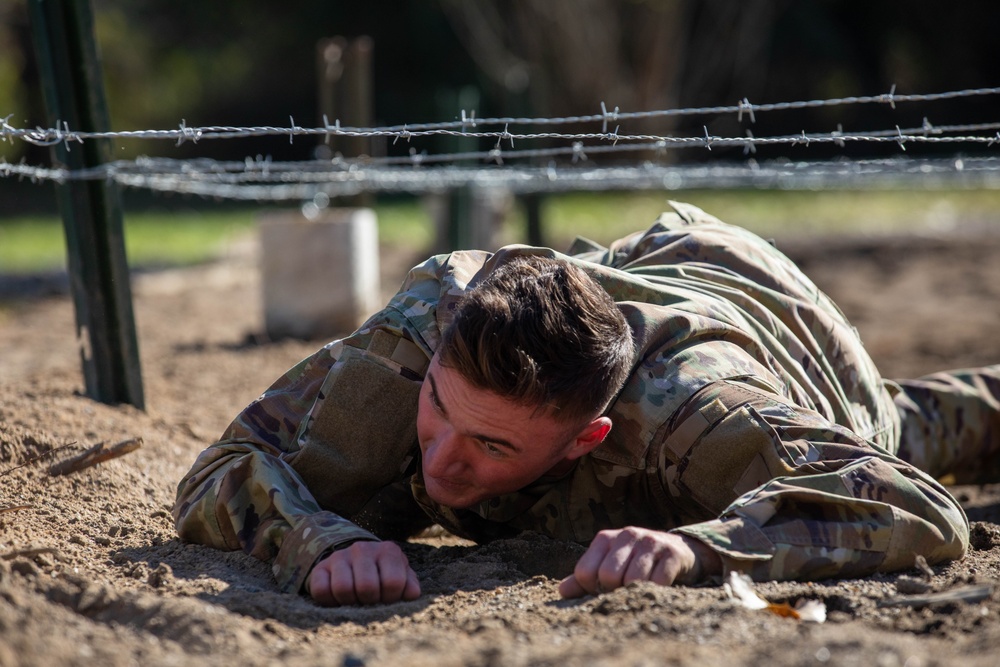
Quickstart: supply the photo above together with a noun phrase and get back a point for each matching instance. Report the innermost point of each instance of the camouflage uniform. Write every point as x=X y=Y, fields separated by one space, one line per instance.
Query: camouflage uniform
x=753 y=421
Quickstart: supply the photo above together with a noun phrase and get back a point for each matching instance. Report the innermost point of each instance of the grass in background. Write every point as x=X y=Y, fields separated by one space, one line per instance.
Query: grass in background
x=151 y=239
x=188 y=237
x=33 y=244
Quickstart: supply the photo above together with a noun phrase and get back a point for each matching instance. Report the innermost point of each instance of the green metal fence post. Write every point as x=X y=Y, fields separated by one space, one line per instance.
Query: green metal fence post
x=63 y=32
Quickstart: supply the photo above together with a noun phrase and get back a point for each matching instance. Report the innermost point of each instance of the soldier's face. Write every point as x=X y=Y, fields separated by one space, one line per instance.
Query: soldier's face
x=477 y=445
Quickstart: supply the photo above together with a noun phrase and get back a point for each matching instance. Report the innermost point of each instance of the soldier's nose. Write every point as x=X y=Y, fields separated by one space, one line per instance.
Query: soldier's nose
x=440 y=458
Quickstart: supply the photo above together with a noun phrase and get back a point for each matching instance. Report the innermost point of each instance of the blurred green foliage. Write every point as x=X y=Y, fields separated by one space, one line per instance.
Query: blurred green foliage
x=253 y=62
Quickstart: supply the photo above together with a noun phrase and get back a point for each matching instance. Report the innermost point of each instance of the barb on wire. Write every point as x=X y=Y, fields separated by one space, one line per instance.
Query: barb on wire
x=5 y=125
x=838 y=136
x=405 y=134
x=606 y=116
x=707 y=139
x=328 y=127
x=187 y=133
x=468 y=122
x=506 y=135
x=890 y=99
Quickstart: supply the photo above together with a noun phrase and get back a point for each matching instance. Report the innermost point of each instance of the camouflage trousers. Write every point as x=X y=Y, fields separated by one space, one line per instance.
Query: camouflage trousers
x=951 y=424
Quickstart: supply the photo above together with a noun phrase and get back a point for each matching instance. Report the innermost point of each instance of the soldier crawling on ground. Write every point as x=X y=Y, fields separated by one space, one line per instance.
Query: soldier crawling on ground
x=686 y=401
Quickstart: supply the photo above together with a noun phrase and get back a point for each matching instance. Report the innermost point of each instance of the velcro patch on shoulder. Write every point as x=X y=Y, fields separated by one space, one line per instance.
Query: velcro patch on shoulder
x=735 y=455
x=360 y=437
x=682 y=437
x=399 y=350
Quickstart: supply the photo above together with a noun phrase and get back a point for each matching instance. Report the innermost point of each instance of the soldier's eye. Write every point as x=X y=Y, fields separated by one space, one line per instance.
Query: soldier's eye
x=493 y=450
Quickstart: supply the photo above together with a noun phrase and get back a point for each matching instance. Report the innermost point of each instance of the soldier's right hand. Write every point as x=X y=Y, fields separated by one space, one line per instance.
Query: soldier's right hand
x=364 y=573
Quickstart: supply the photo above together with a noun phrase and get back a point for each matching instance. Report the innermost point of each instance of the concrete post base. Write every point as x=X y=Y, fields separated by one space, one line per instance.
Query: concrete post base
x=320 y=278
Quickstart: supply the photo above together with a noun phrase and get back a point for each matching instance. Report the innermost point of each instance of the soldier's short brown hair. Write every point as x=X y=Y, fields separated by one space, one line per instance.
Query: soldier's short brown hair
x=541 y=332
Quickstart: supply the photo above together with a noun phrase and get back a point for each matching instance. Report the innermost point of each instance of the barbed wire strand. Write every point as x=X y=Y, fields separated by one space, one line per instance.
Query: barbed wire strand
x=579 y=151
x=264 y=179
x=182 y=134
x=968 y=172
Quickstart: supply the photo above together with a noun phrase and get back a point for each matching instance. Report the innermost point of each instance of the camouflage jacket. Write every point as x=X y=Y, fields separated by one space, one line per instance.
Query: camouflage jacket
x=753 y=421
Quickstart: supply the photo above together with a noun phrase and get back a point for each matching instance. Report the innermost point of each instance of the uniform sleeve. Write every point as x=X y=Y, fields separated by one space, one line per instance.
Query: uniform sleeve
x=242 y=493
x=329 y=435
x=798 y=497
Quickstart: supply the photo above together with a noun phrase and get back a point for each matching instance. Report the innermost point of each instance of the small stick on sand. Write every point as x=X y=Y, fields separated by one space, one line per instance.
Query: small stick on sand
x=96 y=454
x=967 y=594
x=38 y=457
x=14 y=508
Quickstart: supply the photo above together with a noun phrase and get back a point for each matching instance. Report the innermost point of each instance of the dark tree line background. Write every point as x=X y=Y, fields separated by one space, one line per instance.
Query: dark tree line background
x=253 y=62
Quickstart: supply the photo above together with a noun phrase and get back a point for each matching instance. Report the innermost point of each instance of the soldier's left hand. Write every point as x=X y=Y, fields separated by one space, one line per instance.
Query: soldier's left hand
x=618 y=557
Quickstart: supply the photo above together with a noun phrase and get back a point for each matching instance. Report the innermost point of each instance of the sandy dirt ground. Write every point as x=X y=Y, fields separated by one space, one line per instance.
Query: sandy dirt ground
x=92 y=573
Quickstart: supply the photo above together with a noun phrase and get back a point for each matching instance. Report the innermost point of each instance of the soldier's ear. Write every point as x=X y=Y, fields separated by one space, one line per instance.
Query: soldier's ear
x=592 y=435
